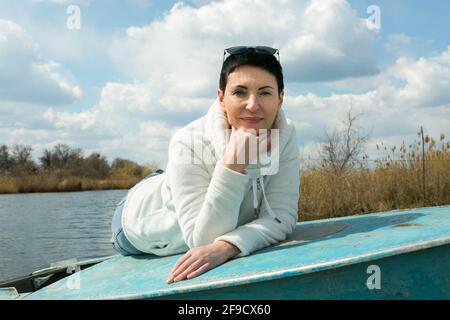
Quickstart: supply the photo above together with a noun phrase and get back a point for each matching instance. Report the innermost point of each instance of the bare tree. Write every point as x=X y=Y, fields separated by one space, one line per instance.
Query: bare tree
x=21 y=154
x=46 y=160
x=5 y=159
x=341 y=150
x=96 y=166
x=62 y=157
x=22 y=162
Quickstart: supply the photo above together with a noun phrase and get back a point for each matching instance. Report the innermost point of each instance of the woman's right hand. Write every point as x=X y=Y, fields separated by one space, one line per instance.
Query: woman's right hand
x=237 y=155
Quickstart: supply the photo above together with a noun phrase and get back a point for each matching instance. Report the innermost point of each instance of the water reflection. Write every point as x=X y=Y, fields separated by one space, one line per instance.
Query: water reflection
x=39 y=228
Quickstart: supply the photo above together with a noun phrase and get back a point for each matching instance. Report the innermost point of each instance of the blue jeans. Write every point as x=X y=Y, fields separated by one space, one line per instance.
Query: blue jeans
x=119 y=240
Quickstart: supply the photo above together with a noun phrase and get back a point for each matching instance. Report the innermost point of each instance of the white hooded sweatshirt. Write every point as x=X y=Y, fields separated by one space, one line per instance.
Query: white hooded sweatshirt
x=200 y=201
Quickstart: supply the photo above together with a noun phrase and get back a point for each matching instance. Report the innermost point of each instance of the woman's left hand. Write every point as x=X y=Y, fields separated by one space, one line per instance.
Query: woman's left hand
x=198 y=260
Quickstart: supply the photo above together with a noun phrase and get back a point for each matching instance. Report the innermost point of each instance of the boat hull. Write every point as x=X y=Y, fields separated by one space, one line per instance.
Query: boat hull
x=401 y=254
x=417 y=275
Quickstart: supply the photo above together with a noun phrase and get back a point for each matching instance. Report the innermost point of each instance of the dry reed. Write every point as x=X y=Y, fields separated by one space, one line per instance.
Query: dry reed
x=391 y=184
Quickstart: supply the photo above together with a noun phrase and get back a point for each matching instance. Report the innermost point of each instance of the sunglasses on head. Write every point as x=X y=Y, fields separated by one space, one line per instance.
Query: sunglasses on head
x=232 y=51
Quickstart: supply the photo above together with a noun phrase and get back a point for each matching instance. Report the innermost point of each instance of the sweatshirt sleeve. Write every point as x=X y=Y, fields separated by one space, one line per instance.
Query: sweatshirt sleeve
x=282 y=192
x=206 y=206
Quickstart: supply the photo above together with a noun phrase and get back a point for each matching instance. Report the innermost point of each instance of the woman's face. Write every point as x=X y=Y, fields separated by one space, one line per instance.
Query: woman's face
x=251 y=99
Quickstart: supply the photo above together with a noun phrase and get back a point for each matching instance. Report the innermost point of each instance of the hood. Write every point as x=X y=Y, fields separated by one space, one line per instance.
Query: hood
x=216 y=128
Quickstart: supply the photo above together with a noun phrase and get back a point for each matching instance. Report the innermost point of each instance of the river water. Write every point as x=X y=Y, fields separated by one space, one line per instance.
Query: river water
x=39 y=228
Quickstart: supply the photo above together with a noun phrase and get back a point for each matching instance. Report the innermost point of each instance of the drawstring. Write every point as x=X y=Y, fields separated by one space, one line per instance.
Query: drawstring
x=255 y=199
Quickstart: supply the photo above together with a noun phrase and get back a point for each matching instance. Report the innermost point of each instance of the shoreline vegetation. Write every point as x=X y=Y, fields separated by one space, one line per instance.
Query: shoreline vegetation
x=53 y=183
x=64 y=169
x=407 y=177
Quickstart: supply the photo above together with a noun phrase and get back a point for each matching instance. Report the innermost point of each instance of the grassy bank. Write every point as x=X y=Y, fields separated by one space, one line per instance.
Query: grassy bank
x=39 y=183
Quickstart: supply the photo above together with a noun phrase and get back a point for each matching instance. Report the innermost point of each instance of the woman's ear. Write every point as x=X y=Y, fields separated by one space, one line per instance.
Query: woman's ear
x=281 y=99
x=221 y=97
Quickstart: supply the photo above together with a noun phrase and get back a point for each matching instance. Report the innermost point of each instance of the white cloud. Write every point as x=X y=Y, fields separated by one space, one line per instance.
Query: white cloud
x=71 y=120
x=129 y=120
x=176 y=60
x=175 y=63
x=409 y=94
x=25 y=75
x=327 y=41
x=397 y=43
x=146 y=141
x=318 y=41
x=427 y=80
x=388 y=113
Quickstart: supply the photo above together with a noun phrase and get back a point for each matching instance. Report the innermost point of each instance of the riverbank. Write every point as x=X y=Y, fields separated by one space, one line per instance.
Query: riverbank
x=41 y=183
x=323 y=193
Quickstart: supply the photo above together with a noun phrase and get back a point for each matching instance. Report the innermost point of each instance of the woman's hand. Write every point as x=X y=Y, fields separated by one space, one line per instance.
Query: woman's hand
x=198 y=260
x=237 y=155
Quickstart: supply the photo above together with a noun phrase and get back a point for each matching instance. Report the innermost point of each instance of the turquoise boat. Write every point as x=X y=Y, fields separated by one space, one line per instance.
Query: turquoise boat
x=401 y=254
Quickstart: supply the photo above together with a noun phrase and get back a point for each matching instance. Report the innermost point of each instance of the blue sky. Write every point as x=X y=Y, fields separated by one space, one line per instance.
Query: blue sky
x=138 y=70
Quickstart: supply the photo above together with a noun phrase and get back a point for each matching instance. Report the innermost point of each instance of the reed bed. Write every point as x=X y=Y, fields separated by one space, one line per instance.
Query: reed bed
x=397 y=181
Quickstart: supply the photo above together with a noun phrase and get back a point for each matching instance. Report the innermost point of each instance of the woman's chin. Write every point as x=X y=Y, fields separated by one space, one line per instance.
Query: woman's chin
x=257 y=130
x=251 y=128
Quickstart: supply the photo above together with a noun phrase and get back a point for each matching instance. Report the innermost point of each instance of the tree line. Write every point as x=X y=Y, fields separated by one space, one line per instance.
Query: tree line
x=17 y=161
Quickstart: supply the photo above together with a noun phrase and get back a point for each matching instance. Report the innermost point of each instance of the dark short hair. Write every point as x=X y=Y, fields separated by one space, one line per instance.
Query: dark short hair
x=252 y=58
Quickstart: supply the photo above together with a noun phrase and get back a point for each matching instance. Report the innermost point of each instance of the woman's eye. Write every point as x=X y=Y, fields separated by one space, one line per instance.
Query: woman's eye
x=241 y=93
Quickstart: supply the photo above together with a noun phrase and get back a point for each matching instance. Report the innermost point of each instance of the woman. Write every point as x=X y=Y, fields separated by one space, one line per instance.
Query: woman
x=207 y=203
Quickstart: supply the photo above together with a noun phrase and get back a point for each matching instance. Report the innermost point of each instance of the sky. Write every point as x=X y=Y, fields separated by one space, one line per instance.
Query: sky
x=119 y=77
